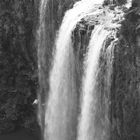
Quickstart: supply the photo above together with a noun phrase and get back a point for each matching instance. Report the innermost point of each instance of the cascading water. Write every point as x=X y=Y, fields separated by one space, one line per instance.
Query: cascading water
x=61 y=111
x=94 y=119
x=87 y=128
x=41 y=43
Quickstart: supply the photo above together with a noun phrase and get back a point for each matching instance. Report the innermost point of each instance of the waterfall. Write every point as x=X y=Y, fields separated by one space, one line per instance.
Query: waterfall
x=61 y=110
x=94 y=120
x=41 y=37
x=60 y=116
x=88 y=128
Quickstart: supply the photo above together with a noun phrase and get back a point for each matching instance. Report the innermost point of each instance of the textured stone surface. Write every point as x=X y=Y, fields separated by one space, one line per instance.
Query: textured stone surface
x=18 y=63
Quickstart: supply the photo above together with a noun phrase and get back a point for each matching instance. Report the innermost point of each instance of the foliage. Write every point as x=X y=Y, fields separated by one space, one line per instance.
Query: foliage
x=18 y=66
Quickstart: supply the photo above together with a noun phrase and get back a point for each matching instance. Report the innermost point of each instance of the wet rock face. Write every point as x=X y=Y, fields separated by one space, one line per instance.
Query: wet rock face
x=81 y=36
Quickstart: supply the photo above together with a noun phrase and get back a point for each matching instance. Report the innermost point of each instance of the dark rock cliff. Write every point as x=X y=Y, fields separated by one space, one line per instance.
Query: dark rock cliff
x=126 y=81
x=18 y=63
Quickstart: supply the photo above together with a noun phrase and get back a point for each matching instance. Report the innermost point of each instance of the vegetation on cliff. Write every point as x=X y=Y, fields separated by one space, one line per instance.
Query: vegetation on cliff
x=18 y=64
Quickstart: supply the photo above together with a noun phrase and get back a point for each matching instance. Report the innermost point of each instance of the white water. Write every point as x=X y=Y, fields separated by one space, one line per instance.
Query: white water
x=43 y=4
x=87 y=129
x=62 y=107
x=61 y=111
x=129 y=3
